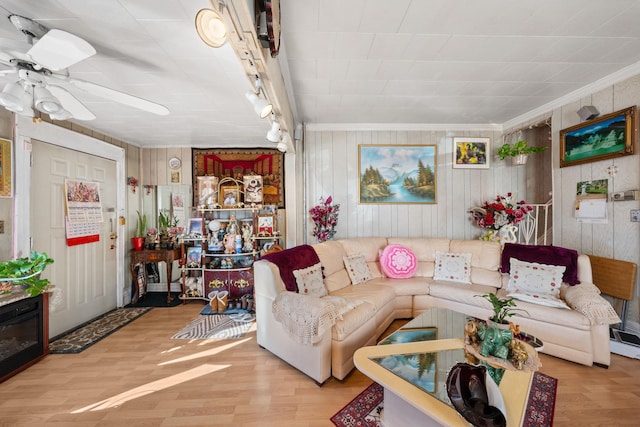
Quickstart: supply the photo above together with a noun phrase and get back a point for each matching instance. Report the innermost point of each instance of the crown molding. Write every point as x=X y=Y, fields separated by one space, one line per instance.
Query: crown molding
x=590 y=89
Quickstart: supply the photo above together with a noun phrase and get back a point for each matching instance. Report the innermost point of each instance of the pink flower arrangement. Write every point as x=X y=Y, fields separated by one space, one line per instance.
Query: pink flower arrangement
x=325 y=219
x=500 y=212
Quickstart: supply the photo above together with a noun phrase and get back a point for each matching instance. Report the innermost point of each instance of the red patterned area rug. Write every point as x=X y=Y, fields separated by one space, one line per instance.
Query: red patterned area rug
x=366 y=408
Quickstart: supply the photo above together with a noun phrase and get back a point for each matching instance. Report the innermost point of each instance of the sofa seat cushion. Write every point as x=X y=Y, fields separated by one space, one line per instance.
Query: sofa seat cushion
x=352 y=320
x=461 y=292
x=552 y=315
x=411 y=286
x=377 y=295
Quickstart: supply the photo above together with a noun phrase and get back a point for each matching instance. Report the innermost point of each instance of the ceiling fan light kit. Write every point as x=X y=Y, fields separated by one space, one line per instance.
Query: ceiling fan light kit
x=43 y=76
x=11 y=97
x=211 y=28
x=45 y=101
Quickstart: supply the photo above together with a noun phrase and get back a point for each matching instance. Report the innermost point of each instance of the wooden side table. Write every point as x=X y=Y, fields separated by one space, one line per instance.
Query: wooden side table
x=153 y=255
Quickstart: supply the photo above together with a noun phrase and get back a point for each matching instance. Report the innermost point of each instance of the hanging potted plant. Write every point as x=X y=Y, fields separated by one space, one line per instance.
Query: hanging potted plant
x=24 y=274
x=519 y=152
x=141 y=229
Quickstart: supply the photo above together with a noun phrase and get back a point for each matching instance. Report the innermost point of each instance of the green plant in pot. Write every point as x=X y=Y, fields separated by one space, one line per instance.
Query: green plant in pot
x=503 y=308
x=141 y=230
x=518 y=151
x=25 y=272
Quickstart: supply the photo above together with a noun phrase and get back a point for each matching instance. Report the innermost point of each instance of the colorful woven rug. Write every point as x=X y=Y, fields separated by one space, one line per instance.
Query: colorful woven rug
x=214 y=326
x=93 y=331
x=366 y=408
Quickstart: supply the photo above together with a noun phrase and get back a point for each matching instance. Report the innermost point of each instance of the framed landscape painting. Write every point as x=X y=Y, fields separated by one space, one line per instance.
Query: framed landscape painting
x=471 y=153
x=397 y=174
x=612 y=135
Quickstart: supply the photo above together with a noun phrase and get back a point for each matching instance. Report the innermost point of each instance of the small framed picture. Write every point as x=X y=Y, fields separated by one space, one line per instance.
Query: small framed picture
x=266 y=225
x=229 y=196
x=195 y=226
x=471 y=153
x=252 y=189
x=194 y=256
x=207 y=191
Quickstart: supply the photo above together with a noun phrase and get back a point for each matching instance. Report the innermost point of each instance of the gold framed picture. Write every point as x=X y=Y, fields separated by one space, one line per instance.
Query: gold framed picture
x=229 y=196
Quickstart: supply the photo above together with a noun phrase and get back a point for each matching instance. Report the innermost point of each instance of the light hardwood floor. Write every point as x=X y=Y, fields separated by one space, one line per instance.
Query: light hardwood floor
x=139 y=376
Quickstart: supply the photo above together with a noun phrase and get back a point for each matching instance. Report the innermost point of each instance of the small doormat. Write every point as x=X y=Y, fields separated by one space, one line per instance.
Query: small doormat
x=214 y=326
x=366 y=408
x=156 y=299
x=93 y=331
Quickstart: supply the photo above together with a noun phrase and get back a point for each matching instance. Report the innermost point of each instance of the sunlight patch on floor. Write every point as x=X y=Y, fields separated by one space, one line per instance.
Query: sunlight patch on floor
x=151 y=387
x=206 y=353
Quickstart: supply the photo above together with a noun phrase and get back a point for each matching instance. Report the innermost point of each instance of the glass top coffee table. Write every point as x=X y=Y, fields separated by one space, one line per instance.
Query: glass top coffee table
x=412 y=365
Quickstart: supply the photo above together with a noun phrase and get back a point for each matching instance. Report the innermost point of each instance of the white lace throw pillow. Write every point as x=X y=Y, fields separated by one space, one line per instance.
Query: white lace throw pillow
x=536 y=283
x=357 y=268
x=453 y=267
x=309 y=281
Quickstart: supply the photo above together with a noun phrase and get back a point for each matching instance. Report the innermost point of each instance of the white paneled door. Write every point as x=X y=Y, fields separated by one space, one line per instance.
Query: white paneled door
x=84 y=275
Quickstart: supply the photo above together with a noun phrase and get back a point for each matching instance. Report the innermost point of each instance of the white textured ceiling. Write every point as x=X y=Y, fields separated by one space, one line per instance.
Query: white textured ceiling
x=348 y=62
x=450 y=61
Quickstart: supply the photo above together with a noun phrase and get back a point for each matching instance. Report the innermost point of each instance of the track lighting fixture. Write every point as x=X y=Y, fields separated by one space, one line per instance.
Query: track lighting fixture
x=275 y=133
x=282 y=147
x=260 y=106
x=211 y=28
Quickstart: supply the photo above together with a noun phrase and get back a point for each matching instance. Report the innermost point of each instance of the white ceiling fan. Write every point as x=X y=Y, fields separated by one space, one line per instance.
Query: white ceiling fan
x=43 y=79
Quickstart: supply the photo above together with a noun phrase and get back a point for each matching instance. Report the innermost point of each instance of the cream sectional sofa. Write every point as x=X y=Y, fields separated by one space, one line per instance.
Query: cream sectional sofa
x=566 y=333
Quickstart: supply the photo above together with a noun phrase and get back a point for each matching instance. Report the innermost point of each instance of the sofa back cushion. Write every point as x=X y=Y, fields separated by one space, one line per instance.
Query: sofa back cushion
x=331 y=254
x=485 y=260
x=550 y=255
x=424 y=249
x=370 y=247
x=292 y=259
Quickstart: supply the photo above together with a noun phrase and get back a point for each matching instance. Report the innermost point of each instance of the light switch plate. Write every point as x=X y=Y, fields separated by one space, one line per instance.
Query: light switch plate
x=635 y=215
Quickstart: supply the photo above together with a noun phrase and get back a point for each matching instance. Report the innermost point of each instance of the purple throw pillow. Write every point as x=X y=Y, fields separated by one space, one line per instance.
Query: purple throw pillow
x=550 y=255
x=295 y=258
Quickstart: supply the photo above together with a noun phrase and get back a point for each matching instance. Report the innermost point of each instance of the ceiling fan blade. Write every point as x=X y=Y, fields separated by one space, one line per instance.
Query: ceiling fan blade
x=58 y=50
x=121 y=97
x=71 y=103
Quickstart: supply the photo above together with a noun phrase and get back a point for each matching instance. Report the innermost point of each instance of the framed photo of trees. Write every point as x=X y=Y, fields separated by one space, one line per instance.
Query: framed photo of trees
x=397 y=174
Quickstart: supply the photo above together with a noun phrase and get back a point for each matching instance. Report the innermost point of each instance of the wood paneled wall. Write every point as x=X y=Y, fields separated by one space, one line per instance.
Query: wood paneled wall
x=619 y=238
x=332 y=170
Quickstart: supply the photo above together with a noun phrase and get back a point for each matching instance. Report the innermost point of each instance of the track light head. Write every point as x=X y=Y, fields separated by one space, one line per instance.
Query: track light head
x=282 y=147
x=260 y=106
x=211 y=28
x=275 y=133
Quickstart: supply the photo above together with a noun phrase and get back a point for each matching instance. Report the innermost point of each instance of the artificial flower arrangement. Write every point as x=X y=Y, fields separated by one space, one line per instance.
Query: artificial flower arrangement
x=502 y=211
x=325 y=219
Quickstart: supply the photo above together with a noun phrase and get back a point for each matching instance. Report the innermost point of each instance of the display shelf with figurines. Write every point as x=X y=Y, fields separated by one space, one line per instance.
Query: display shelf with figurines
x=225 y=236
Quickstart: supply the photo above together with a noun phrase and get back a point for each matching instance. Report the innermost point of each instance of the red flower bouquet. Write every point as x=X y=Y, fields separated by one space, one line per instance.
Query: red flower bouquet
x=500 y=212
x=325 y=219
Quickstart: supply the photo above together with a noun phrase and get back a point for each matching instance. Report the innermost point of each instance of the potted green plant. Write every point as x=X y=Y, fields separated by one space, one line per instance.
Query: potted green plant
x=503 y=308
x=518 y=151
x=141 y=229
x=25 y=272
